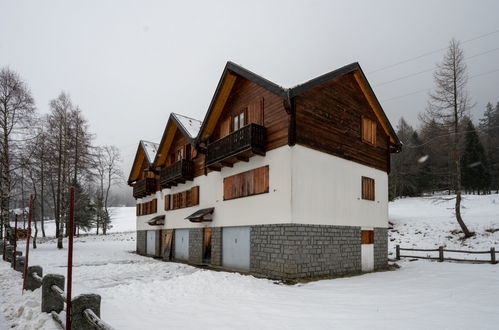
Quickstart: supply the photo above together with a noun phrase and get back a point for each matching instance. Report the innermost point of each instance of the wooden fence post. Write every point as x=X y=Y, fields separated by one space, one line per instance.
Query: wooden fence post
x=492 y=255
x=441 y=253
x=397 y=252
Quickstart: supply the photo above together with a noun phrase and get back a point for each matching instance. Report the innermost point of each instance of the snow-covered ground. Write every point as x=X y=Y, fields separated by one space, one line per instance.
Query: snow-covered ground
x=429 y=222
x=143 y=293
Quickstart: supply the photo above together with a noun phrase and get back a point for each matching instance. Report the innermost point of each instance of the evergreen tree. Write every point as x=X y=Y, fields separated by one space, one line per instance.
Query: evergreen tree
x=84 y=210
x=489 y=127
x=475 y=174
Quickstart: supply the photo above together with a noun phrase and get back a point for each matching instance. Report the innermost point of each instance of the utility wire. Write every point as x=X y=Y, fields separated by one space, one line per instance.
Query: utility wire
x=428 y=70
x=428 y=89
x=431 y=52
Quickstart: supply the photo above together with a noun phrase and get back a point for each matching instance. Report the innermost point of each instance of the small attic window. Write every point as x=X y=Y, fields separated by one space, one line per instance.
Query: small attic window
x=368 y=131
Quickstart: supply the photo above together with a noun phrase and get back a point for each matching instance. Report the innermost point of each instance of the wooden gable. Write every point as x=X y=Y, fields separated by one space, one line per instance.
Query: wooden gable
x=165 y=144
x=140 y=163
x=329 y=118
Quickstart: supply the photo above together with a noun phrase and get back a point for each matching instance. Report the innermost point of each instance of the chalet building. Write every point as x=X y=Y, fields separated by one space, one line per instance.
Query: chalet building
x=281 y=183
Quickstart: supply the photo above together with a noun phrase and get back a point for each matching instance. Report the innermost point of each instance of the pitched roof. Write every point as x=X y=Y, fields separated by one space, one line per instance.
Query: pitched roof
x=150 y=149
x=146 y=151
x=189 y=127
x=232 y=70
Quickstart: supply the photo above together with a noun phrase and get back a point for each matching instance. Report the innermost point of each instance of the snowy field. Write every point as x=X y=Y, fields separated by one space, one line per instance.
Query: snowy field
x=143 y=293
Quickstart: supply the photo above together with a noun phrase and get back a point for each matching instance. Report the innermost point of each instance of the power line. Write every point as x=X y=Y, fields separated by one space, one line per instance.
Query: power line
x=431 y=52
x=428 y=89
x=428 y=70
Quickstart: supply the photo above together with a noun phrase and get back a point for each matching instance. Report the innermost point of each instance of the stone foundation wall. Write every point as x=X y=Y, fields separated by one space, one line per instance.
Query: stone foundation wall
x=216 y=246
x=141 y=241
x=297 y=251
x=196 y=246
x=380 y=248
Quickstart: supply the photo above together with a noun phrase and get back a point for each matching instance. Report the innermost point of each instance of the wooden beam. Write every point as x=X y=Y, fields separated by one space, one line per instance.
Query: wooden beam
x=372 y=102
x=227 y=164
x=243 y=158
x=218 y=105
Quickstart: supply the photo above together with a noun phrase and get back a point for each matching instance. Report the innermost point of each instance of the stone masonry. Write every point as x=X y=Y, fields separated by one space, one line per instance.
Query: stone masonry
x=141 y=241
x=196 y=246
x=380 y=248
x=297 y=251
x=216 y=246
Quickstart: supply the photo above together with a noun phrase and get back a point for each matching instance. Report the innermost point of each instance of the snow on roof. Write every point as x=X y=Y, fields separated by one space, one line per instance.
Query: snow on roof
x=190 y=125
x=150 y=149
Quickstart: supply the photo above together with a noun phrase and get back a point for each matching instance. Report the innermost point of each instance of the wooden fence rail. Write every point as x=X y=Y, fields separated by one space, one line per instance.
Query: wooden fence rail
x=492 y=252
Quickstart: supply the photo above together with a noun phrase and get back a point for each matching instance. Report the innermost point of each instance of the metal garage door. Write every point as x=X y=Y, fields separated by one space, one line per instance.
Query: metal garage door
x=182 y=244
x=151 y=242
x=236 y=247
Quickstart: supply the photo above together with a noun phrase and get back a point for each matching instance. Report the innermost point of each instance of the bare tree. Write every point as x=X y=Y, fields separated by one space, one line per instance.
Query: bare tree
x=448 y=105
x=16 y=110
x=109 y=173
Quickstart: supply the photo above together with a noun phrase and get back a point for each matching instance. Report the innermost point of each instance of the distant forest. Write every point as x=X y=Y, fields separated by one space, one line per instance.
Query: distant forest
x=424 y=165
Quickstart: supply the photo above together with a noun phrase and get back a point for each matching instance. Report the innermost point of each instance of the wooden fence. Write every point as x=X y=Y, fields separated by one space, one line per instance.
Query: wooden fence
x=492 y=252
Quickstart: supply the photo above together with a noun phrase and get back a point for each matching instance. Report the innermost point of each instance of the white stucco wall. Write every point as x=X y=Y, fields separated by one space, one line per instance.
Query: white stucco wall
x=327 y=190
x=268 y=208
x=305 y=186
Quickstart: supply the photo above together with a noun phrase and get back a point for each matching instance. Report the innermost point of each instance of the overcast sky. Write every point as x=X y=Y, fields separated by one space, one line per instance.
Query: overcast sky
x=128 y=64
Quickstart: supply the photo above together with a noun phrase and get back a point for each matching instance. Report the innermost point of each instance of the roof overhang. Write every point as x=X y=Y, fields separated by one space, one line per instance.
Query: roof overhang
x=138 y=164
x=157 y=221
x=203 y=215
x=231 y=72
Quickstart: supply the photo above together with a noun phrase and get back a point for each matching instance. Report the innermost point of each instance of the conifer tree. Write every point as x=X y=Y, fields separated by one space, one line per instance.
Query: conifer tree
x=475 y=174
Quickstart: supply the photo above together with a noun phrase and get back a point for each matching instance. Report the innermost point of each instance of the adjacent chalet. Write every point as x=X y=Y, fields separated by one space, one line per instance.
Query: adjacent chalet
x=280 y=183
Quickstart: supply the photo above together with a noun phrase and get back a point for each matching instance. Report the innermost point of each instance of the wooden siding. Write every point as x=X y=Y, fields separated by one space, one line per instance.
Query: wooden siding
x=248 y=183
x=329 y=119
x=246 y=94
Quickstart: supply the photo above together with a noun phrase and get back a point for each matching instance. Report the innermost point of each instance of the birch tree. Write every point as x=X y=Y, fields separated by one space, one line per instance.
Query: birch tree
x=16 y=110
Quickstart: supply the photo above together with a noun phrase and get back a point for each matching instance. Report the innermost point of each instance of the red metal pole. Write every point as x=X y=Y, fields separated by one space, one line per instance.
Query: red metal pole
x=70 y=256
x=26 y=257
x=15 y=244
x=4 y=241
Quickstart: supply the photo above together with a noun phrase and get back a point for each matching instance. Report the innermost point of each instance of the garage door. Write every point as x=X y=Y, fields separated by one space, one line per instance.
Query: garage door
x=151 y=243
x=182 y=244
x=236 y=247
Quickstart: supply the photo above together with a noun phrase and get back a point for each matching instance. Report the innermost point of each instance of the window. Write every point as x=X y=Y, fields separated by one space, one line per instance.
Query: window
x=238 y=121
x=368 y=131
x=248 y=183
x=368 y=188
x=367 y=237
x=180 y=153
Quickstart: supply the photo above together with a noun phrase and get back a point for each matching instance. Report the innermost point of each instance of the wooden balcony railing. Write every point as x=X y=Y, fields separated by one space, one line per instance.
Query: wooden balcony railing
x=178 y=172
x=144 y=187
x=238 y=145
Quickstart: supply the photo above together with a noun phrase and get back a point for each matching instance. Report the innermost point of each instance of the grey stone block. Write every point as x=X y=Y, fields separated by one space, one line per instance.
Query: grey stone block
x=17 y=254
x=20 y=264
x=31 y=283
x=79 y=305
x=216 y=246
x=380 y=248
x=50 y=301
x=196 y=246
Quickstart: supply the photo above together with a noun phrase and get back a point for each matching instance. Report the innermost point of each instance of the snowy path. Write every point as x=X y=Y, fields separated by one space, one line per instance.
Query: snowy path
x=142 y=293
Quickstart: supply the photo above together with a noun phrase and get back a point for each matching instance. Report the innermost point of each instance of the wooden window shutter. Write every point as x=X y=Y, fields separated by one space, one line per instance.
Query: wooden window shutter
x=167 y=202
x=255 y=112
x=155 y=206
x=368 y=188
x=194 y=195
x=367 y=237
x=225 y=127
x=248 y=183
x=368 y=131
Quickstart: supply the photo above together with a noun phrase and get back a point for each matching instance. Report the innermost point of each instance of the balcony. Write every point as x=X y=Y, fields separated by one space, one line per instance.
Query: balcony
x=239 y=145
x=178 y=172
x=144 y=187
